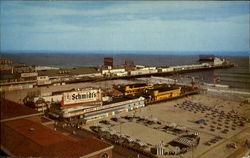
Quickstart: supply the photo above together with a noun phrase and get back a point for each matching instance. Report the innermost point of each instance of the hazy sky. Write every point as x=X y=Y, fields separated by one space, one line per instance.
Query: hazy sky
x=125 y=25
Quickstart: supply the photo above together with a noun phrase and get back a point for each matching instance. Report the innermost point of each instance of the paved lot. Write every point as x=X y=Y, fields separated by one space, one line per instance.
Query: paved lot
x=169 y=112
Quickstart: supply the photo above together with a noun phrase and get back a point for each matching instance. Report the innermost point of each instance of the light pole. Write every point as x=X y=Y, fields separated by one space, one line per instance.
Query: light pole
x=120 y=128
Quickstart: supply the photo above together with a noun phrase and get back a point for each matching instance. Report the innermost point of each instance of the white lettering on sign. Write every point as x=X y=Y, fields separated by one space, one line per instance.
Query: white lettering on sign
x=81 y=96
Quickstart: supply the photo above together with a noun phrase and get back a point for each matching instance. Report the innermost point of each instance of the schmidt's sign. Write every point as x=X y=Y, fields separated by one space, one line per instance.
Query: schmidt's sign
x=81 y=97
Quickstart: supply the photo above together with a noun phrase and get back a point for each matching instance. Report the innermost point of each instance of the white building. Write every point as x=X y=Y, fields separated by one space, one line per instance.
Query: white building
x=43 y=80
x=94 y=110
x=39 y=68
x=168 y=69
x=218 y=61
x=113 y=72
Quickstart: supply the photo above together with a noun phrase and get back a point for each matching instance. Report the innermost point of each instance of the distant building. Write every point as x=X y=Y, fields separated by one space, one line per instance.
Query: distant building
x=206 y=58
x=114 y=72
x=167 y=69
x=129 y=63
x=21 y=68
x=5 y=62
x=5 y=65
x=211 y=59
x=108 y=61
x=219 y=61
x=43 y=80
x=41 y=68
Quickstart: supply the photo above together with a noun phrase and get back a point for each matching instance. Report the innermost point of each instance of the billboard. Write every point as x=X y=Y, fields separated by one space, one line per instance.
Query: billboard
x=81 y=96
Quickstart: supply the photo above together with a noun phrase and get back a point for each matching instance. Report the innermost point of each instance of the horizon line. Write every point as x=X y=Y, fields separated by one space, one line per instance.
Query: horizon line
x=120 y=52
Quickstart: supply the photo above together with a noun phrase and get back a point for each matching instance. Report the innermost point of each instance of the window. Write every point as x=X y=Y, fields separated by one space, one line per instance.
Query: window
x=105 y=155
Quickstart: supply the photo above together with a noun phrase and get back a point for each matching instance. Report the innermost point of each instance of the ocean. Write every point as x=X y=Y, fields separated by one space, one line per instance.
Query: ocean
x=237 y=77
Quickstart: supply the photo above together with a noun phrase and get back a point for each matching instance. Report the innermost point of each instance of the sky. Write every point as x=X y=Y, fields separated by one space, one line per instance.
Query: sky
x=193 y=26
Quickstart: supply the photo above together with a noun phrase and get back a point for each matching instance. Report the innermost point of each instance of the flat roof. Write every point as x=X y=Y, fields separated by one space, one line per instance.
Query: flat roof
x=116 y=100
x=25 y=138
x=163 y=89
x=133 y=84
x=10 y=109
x=137 y=85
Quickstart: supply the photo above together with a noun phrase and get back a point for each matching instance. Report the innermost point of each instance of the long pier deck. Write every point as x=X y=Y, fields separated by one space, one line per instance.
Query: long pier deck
x=103 y=78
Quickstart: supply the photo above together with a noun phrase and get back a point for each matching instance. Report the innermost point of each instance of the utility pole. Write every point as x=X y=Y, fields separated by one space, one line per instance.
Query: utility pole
x=120 y=128
x=192 y=151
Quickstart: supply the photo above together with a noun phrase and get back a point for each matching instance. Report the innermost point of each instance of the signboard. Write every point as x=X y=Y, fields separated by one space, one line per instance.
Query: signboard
x=32 y=74
x=82 y=96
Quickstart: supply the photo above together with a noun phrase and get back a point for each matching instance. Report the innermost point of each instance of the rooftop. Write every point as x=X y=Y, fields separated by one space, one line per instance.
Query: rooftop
x=24 y=138
x=10 y=109
x=23 y=135
x=137 y=85
x=116 y=100
x=163 y=89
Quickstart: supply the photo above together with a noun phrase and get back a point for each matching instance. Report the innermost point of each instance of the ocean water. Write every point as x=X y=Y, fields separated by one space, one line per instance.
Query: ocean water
x=236 y=77
x=70 y=60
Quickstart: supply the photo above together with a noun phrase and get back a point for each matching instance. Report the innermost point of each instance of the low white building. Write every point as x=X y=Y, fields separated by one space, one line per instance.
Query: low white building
x=121 y=74
x=139 y=66
x=39 y=68
x=218 y=61
x=43 y=80
x=113 y=71
x=168 y=69
x=96 y=75
x=153 y=71
x=138 y=72
x=89 y=110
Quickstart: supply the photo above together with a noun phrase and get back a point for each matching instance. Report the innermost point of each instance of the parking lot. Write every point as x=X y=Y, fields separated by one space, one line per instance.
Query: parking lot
x=219 y=126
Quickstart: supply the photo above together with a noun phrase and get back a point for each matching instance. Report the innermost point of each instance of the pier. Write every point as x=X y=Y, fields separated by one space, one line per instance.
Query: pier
x=47 y=77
